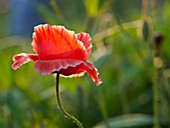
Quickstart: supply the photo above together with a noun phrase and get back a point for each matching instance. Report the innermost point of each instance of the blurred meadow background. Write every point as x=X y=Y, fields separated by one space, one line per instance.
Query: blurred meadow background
x=131 y=50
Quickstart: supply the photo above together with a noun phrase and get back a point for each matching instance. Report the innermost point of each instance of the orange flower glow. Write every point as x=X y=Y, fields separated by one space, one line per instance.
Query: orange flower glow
x=59 y=50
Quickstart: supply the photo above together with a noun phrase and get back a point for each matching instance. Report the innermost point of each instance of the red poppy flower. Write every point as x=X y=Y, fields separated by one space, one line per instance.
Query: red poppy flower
x=59 y=50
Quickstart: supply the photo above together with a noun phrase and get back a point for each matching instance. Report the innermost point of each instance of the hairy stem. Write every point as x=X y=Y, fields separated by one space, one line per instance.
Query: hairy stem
x=61 y=107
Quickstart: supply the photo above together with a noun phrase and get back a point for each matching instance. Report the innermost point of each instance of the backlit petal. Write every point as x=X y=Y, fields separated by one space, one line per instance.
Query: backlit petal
x=56 y=42
x=92 y=71
x=86 y=40
x=67 y=67
x=64 y=66
x=80 y=72
x=22 y=58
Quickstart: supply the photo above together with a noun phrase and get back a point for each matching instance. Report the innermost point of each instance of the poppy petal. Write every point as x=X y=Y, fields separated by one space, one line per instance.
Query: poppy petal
x=64 y=66
x=68 y=68
x=79 y=73
x=92 y=71
x=86 y=40
x=56 y=42
x=23 y=58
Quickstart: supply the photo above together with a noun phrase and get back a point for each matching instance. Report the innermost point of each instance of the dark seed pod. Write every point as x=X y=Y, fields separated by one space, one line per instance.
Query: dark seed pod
x=158 y=41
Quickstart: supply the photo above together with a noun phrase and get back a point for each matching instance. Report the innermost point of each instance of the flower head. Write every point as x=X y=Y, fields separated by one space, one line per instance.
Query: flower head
x=59 y=50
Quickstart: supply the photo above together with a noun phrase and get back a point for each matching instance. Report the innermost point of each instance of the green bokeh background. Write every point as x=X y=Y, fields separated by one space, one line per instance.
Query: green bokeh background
x=123 y=43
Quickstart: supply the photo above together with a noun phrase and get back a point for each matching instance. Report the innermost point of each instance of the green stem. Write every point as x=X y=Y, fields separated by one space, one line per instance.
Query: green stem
x=134 y=42
x=155 y=98
x=61 y=107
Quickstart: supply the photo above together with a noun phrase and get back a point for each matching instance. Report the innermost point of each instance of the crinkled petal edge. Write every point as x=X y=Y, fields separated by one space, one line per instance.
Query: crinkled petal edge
x=63 y=66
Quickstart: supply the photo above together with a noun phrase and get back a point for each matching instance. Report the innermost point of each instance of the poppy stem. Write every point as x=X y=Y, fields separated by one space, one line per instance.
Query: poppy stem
x=60 y=105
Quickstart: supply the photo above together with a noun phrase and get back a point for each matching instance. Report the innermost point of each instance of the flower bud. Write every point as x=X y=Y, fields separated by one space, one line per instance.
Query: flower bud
x=158 y=38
